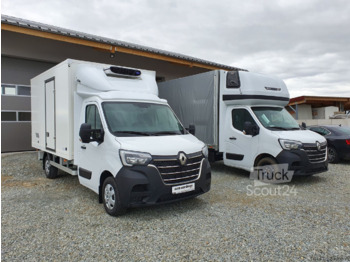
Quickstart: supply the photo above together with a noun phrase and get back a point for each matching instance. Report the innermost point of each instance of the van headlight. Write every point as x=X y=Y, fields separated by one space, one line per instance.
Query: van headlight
x=131 y=158
x=290 y=144
x=205 y=151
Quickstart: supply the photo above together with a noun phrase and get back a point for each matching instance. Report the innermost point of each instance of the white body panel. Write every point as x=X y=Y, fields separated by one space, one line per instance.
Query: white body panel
x=61 y=118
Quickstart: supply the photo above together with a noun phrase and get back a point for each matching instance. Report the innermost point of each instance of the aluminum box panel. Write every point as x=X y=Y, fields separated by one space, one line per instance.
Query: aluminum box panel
x=194 y=101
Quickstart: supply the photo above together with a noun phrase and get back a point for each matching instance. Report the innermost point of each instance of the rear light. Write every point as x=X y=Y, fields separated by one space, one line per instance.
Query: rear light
x=347 y=142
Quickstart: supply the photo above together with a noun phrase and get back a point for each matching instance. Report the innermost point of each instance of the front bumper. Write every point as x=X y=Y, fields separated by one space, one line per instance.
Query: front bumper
x=299 y=162
x=143 y=186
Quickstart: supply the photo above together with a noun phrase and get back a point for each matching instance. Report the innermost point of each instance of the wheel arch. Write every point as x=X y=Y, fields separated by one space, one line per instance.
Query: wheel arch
x=261 y=156
x=103 y=177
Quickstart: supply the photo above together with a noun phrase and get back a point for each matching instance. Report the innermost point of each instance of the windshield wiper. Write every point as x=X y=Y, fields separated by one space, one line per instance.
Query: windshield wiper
x=278 y=127
x=132 y=132
x=284 y=128
x=166 y=133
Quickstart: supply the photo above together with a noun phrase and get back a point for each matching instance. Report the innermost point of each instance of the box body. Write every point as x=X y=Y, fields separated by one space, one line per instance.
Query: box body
x=194 y=100
x=53 y=110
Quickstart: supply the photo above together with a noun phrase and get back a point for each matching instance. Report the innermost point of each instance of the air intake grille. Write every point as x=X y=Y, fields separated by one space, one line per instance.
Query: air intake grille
x=172 y=172
x=314 y=154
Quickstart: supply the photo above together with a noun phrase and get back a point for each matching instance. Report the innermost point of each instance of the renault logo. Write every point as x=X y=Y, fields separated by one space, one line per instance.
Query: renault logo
x=318 y=145
x=182 y=159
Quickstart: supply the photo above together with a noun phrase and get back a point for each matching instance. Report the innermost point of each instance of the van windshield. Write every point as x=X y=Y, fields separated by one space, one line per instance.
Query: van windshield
x=141 y=119
x=275 y=118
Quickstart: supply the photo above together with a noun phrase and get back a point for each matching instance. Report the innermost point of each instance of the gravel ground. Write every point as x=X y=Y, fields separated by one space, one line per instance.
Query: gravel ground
x=60 y=220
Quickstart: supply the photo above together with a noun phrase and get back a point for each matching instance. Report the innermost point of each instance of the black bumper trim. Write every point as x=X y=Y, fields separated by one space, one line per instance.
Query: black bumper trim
x=298 y=162
x=143 y=186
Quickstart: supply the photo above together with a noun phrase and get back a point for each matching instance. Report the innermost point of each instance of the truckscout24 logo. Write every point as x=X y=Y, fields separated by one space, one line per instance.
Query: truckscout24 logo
x=265 y=180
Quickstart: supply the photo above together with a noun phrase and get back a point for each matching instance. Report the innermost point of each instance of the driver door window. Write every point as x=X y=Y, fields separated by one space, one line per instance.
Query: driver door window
x=239 y=117
x=92 y=117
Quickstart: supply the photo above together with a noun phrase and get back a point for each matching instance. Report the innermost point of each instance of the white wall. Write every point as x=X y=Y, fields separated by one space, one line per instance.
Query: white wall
x=330 y=110
x=323 y=112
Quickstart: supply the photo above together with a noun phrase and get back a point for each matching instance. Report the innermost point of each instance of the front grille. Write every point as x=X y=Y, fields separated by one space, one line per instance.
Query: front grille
x=172 y=172
x=315 y=155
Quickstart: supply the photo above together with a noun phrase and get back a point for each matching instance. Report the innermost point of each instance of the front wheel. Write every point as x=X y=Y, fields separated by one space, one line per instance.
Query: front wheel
x=266 y=161
x=50 y=171
x=111 y=198
x=268 y=169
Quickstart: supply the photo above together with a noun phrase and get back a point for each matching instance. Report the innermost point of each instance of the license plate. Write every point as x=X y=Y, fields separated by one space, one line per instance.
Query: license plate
x=183 y=188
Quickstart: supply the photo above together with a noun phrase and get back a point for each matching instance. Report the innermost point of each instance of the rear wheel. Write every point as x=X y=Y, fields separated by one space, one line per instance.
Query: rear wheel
x=332 y=155
x=50 y=171
x=111 y=198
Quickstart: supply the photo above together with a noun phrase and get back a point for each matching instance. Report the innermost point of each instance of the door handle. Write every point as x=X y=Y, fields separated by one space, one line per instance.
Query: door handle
x=232 y=138
x=83 y=147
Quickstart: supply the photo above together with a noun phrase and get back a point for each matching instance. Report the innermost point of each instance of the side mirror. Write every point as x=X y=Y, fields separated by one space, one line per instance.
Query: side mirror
x=88 y=135
x=303 y=125
x=192 y=129
x=251 y=129
x=85 y=133
x=98 y=135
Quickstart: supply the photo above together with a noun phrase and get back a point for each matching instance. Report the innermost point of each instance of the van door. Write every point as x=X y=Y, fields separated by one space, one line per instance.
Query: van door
x=50 y=114
x=90 y=160
x=240 y=149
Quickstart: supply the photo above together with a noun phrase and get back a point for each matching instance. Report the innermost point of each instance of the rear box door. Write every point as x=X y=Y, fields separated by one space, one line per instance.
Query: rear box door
x=50 y=114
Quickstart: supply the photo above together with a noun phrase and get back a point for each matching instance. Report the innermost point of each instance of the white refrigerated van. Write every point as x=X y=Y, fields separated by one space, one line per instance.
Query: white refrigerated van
x=107 y=125
x=241 y=117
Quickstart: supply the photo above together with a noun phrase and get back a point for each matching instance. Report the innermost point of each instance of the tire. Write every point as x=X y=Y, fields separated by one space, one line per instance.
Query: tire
x=333 y=156
x=267 y=161
x=51 y=172
x=111 y=198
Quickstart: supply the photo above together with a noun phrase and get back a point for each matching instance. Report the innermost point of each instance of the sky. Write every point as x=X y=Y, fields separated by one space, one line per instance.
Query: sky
x=304 y=42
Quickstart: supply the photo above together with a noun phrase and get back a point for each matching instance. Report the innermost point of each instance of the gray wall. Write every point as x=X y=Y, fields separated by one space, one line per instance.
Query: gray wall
x=16 y=136
x=20 y=71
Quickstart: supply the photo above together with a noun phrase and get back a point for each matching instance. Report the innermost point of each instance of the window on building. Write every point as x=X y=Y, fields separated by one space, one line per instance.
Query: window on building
x=8 y=89
x=8 y=116
x=13 y=90
x=23 y=90
x=24 y=116
x=15 y=116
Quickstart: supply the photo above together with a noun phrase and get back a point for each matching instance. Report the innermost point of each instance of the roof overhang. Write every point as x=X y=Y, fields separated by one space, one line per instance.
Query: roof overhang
x=31 y=28
x=321 y=101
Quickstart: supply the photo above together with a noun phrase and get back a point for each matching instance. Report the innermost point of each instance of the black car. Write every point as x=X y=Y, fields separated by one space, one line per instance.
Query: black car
x=338 y=140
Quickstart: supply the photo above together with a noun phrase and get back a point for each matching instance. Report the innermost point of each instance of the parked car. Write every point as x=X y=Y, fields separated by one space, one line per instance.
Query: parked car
x=338 y=139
